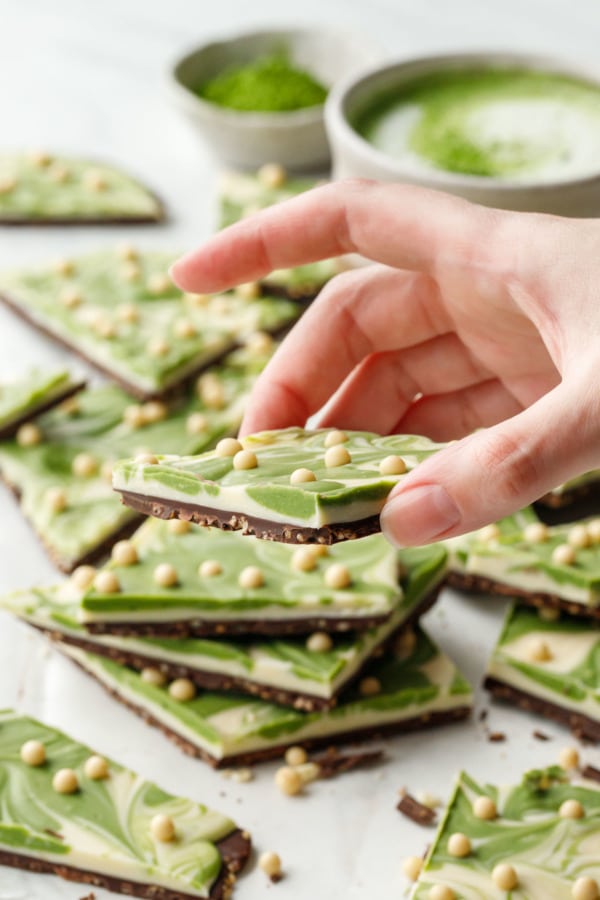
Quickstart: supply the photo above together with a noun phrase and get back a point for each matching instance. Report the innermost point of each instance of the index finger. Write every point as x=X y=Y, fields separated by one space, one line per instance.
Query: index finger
x=399 y=225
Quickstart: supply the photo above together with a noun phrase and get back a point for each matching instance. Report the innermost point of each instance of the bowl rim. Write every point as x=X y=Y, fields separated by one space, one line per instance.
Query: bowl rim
x=337 y=121
x=308 y=115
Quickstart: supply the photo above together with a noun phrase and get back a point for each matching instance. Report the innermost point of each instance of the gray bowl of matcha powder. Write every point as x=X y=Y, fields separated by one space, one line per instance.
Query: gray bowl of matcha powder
x=259 y=97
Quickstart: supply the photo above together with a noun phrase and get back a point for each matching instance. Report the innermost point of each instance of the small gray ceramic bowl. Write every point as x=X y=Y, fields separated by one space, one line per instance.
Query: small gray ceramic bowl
x=354 y=156
x=296 y=139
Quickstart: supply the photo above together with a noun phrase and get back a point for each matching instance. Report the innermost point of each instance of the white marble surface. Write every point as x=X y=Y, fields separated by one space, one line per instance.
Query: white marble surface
x=89 y=78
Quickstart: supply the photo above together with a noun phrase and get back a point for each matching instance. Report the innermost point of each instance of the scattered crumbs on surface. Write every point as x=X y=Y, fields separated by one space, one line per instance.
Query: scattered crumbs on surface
x=242 y=776
x=90 y=896
x=483 y=715
x=414 y=810
x=541 y=736
x=496 y=737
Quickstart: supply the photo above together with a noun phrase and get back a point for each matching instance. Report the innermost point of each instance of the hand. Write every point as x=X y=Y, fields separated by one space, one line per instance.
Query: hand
x=478 y=319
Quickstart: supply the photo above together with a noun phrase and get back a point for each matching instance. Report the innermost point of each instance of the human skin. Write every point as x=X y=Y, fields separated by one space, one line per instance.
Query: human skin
x=476 y=325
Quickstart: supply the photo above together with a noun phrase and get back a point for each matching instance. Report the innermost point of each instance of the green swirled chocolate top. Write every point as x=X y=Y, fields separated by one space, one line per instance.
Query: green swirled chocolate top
x=39 y=186
x=22 y=397
x=548 y=851
x=105 y=825
x=97 y=425
x=339 y=493
x=126 y=315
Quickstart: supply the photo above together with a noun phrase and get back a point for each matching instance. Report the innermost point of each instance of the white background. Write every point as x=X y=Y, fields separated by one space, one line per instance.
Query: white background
x=89 y=78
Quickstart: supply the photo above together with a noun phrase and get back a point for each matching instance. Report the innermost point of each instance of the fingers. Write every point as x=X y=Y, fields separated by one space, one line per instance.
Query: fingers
x=398 y=225
x=378 y=394
x=494 y=472
x=375 y=308
x=446 y=417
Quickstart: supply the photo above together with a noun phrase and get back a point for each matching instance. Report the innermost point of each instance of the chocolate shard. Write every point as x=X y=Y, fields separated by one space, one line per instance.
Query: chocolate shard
x=332 y=762
x=415 y=811
x=591 y=773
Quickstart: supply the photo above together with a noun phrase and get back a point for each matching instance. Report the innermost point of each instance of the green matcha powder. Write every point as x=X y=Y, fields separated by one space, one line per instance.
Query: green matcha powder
x=269 y=84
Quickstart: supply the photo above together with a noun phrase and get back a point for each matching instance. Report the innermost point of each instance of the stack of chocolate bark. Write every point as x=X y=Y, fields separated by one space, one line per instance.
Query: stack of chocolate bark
x=546 y=658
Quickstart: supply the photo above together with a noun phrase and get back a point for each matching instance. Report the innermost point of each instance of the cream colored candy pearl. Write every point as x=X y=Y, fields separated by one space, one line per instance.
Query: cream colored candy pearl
x=539 y=651
x=459 y=845
x=33 y=753
x=302 y=476
x=270 y=863
x=272 y=175
x=179 y=526
x=535 y=533
x=295 y=756
x=165 y=575
x=319 y=642
x=484 y=808
x=245 y=459
x=96 y=768
x=153 y=676
x=441 y=892
x=337 y=456
x=411 y=866
x=251 y=577
x=133 y=415
x=579 y=537
x=56 y=499
x=250 y=290
x=196 y=423
x=505 y=877
x=585 y=889
x=83 y=577
x=593 y=528
x=65 y=782
x=162 y=828
x=571 y=809
x=28 y=435
x=158 y=347
x=288 y=780
x=303 y=560
x=228 y=447
x=209 y=568
x=392 y=465
x=124 y=553
x=85 y=465
x=154 y=411
x=182 y=689
x=106 y=582
x=568 y=758
x=564 y=555
x=369 y=687
x=337 y=576
x=335 y=437
x=489 y=532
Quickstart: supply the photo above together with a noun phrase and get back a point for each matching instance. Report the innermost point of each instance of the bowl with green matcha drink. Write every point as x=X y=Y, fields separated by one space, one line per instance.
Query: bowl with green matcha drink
x=259 y=97
x=509 y=131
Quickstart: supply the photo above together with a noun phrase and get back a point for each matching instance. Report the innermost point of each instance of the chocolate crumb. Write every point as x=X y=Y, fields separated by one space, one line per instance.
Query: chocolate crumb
x=591 y=772
x=90 y=896
x=483 y=715
x=415 y=811
x=496 y=737
x=54 y=834
x=540 y=736
x=332 y=762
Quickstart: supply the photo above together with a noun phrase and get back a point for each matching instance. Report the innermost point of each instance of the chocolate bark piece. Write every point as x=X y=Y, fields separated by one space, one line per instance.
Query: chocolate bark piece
x=554 y=566
x=125 y=317
x=421 y=690
x=43 y=189
x=102 y=833
x=31 y=395
x=242 y=194
x=292 y=485
x=103 y=426
x=284 y=671
x=548 y=667
x=332 y=762
x=544 y=852
x=216 y=601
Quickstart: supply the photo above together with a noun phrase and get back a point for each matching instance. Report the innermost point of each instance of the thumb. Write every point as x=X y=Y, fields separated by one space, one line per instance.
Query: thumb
x=496 y=471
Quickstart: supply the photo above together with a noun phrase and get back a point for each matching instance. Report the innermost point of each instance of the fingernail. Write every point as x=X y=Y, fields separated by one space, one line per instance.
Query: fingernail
x=419 y=515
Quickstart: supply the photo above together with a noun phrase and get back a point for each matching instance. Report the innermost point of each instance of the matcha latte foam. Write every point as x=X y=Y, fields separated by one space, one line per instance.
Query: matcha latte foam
x=514 y=124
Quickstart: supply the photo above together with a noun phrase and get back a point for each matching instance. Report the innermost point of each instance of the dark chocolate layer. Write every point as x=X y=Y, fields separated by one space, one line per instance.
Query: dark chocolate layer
x=8 y=431
x=582 y=726
x=260 y=528
x=234 y=849
x=478 y=584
